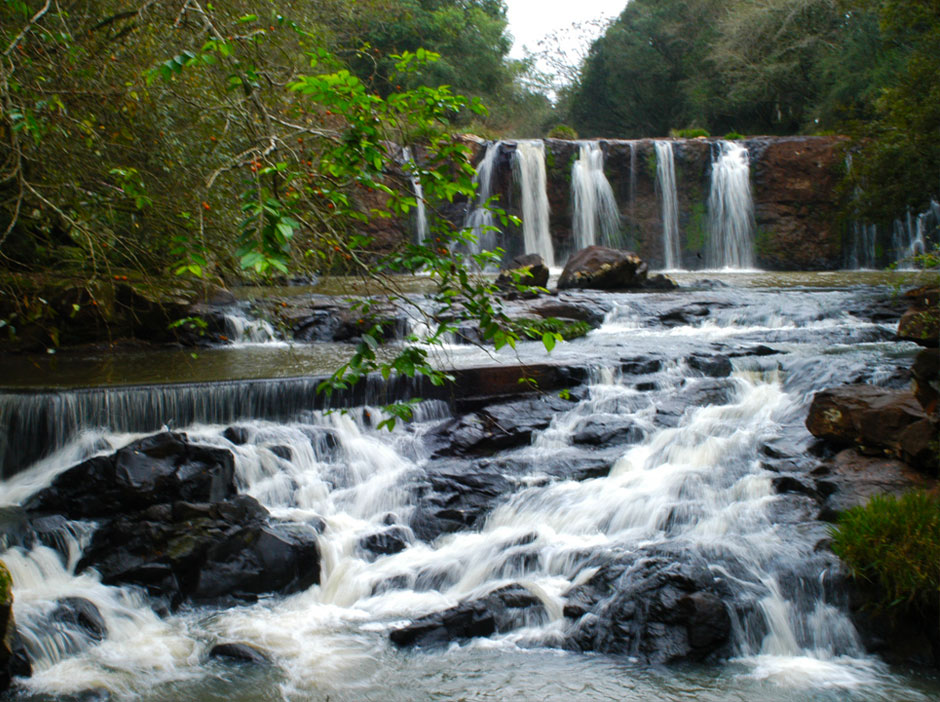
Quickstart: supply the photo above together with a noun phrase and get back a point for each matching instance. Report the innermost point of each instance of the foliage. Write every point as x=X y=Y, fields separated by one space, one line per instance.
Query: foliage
x=562 y=131
x=691 y=133
x=894 y=543
x=561 y=329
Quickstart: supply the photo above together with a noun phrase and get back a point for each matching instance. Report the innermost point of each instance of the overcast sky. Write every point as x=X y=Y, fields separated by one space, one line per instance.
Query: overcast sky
x=531 y=20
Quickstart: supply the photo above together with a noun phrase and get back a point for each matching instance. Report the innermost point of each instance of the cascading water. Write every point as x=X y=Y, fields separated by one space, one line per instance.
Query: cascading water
x=666 y=181
x=730 y=209
x=652 y=469
x=480 y=219
x=242 y=329
x=596 y=218
x=421 y=216
x=861 y=254
x=529 y=171
x=910 y=235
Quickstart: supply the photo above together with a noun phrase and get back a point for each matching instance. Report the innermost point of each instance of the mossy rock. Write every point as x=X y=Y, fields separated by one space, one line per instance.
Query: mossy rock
x=6 y=585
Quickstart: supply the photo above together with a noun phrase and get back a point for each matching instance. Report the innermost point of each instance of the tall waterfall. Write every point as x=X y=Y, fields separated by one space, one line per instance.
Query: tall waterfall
x=596 y=219
x=730 y=209
x=666 y=180
x=421 y=216
x=480 y=220
x=529 y=171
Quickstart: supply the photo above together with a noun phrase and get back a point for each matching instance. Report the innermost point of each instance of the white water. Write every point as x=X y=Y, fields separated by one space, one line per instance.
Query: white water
x=730 y=210
x=596 y=218
x=862 y=251
x=480 y=219
x=421 y=215
x=694 y=488
x=529 y=171
x=243 y=330
x=666 y=180
x=910 y=235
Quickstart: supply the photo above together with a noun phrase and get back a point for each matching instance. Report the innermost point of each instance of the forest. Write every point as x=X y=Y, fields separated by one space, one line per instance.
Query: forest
x=230 y=141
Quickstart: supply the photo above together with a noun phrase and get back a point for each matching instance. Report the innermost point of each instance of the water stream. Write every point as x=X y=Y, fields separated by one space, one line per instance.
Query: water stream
x=666 y=181
x=730 y=209
x=595 y=218
x=681 y=476
x=529 y=172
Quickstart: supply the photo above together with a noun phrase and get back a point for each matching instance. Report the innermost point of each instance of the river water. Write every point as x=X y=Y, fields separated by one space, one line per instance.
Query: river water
x=685 y=473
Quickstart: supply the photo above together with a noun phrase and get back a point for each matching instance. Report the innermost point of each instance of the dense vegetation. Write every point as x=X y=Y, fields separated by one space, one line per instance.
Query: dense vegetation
x=865 y=67
x=894 y=544
x=142 y=140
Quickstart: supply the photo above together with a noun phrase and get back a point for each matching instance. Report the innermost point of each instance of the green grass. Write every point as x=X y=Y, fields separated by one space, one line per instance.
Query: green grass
x=894 y=543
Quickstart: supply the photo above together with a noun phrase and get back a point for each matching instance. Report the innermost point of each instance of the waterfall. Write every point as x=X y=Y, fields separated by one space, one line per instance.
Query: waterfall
x=242 y=329
x=421 y=217
x=911 y=234
x=861 y=252
x=529 y=170
x=479 y=219
x=666 y=180
x=730 y=209
x=596 y=219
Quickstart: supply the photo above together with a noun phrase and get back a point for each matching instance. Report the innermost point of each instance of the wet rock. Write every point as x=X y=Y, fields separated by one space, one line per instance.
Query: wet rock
x=654 y=608
x=921 y=322
x=208 y=553
x=237 y=435
x=393 y=540
x=874 y=420
x=642 y=365
x=240 y=653
x=791 y=484
x=926 y=375
x=455 y=495
x=78 y=613
x=712 y=366
x=660 y=282
x=160 y=468
x=607 y=431
x=850 y=479
x=497 y=427
x=535 y=276
x=502 y=610
x=283 y=452
x=696 y=393
x=601 y=268
x=570 y=307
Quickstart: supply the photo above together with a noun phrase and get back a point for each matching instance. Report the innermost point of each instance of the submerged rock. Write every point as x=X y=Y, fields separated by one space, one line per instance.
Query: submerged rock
x=240 y=653
x=157 y=469
x=601 y=268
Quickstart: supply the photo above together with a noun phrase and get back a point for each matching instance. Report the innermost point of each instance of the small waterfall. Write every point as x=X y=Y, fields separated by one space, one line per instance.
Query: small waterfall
x=910 y=235
x=596 y=219
x=241 y=329
x=862 y=252
x=480 y=220
x=730 y=209
x=421 y=216
x=666 y=180
x=529 y=170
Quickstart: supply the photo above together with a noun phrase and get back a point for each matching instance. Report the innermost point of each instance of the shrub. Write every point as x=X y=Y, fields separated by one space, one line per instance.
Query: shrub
x=733 y=136
x=894 y=543
x=693 y=133
x=536 y=328
x=562 y=131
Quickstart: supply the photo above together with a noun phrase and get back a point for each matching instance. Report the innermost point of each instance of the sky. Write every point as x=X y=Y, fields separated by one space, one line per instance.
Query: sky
x=531 y=20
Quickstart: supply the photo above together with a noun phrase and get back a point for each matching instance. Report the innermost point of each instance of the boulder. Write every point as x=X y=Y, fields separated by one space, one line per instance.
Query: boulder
x=240 y=653
x=568 y=306
x=206 y=553
x=862 y=415
x=655 y=608
x=926 y=376
x=850 y=479
x=157 y=469
x=603 y=269
x=531 y=271
x=921 y=322
x=382 y=543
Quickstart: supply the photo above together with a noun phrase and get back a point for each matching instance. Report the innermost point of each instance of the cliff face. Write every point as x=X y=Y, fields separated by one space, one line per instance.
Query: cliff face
x=793 y=181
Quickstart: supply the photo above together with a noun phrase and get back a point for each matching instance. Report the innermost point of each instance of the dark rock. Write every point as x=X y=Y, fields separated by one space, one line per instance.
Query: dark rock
x=850 y=479
x=603 y=269
x=590 y=311
x=79 y=613
x=654 y=608
x=209 y=553
x=921 y=322
x=613 y=431
x=14 y=660
x=455 y=496
x=500 y=611
x=237 y=435
x=284 y=452
x=660 y=282
x=926 y=375
x=789 y=483
x=643 y=365
x=160 y=468
x=240 y=653
x=535 y=276
x=385 y=542
x=698 y=392
x=712 y=366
